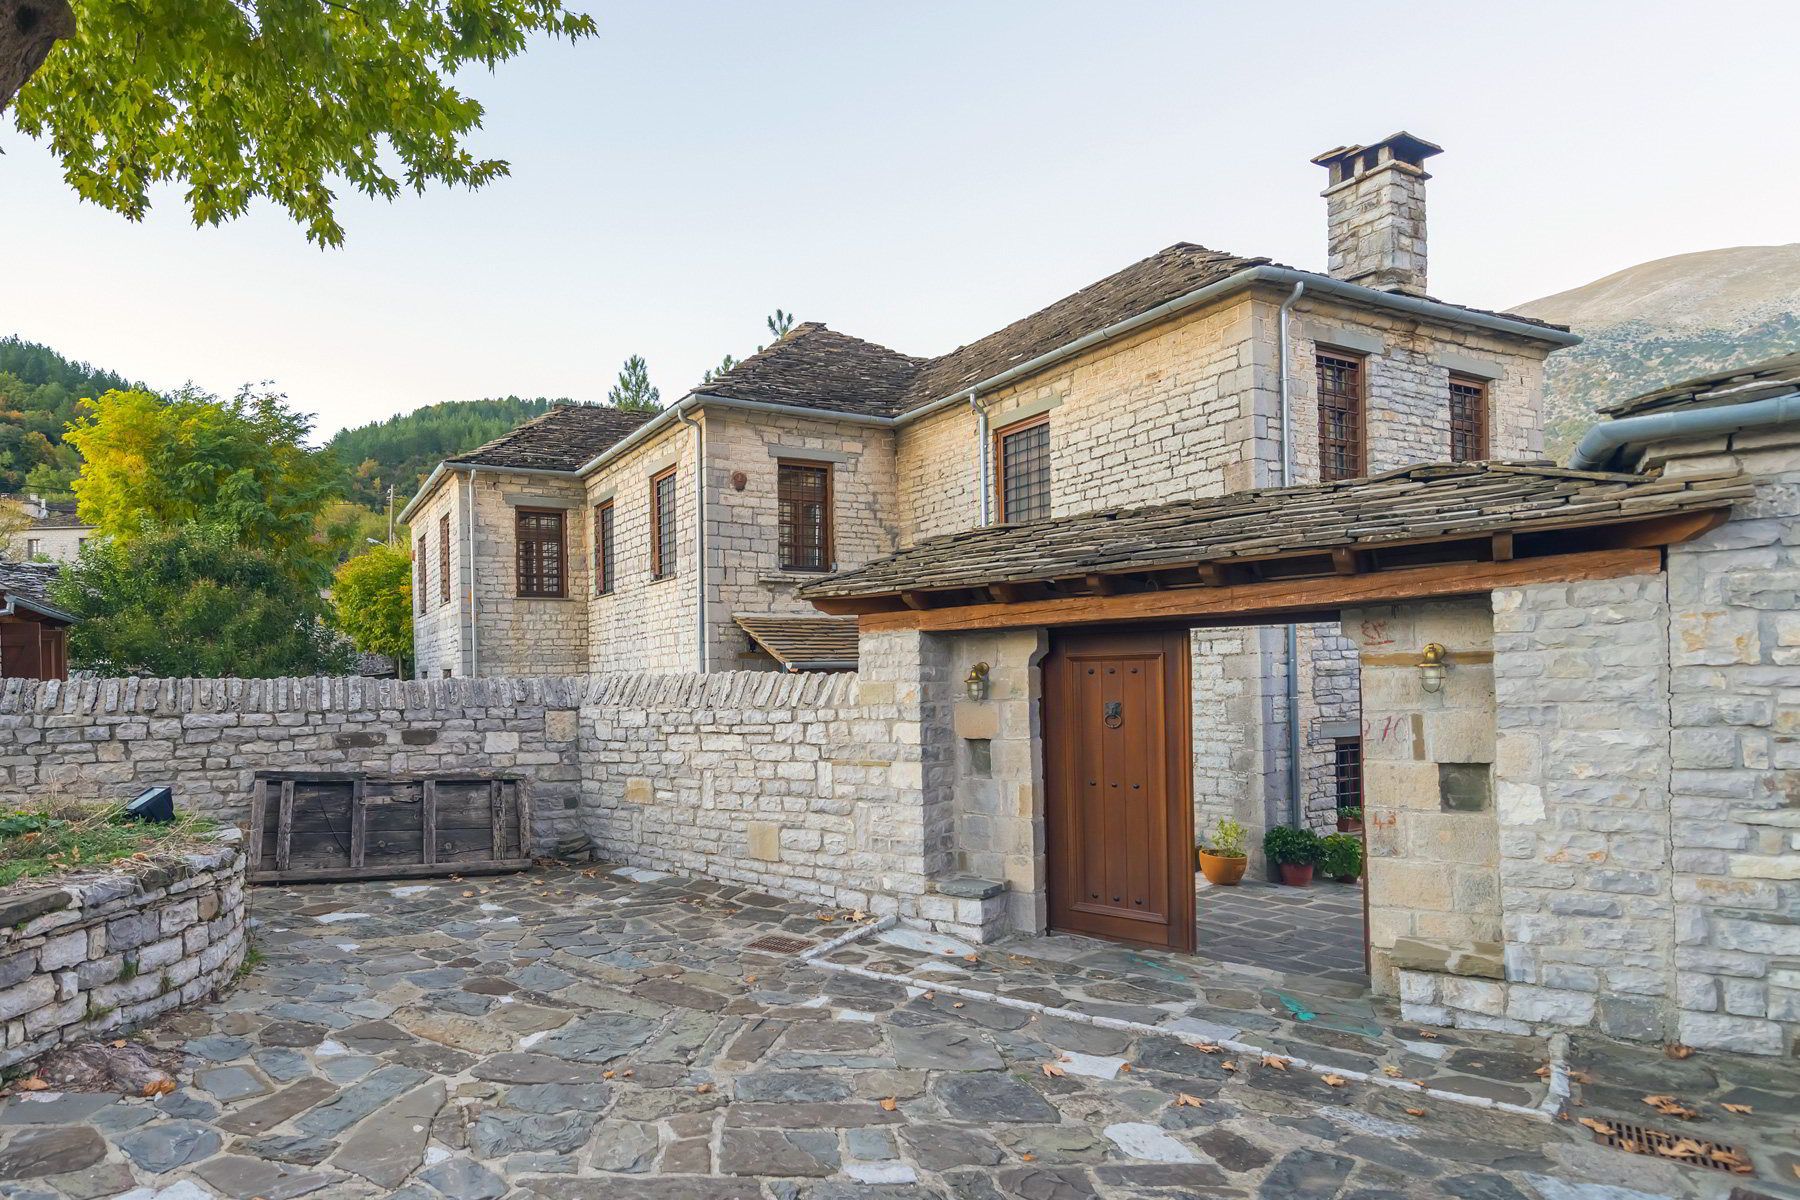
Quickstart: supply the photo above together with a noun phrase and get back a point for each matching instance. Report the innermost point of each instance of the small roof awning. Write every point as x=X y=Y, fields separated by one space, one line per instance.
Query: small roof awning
x=803 y=643
x=25 y=608
x=1291 y=550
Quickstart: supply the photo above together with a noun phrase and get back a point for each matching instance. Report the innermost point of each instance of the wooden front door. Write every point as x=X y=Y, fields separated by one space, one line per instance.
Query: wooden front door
x=1118 y=813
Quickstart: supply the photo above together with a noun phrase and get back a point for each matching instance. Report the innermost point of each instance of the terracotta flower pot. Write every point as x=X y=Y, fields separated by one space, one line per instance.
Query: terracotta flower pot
x=1297 y=874
x=1221 y=870
x=1347 y=825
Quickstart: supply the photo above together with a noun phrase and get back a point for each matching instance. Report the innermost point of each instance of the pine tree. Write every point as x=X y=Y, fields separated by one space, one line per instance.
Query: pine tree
x=633 y=392
x=725 y=365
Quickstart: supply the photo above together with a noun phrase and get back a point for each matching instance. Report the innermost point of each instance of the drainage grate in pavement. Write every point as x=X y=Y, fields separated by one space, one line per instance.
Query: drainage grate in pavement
x=776 y=943
x=1641 y=1139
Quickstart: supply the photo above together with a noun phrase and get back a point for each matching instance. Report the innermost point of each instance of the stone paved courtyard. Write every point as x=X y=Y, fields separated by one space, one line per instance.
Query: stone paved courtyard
x=568 y=1034
x=1316 y=930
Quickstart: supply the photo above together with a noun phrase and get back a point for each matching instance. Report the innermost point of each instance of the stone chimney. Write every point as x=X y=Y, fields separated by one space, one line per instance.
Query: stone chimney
x=1375 y=212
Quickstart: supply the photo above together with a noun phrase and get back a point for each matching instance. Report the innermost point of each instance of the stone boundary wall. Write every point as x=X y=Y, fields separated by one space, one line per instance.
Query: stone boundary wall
x=106 y=954
x=108 y=739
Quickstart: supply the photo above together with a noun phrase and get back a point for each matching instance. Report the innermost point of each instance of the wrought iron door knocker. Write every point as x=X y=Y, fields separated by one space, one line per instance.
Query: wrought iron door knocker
x=1114 y=714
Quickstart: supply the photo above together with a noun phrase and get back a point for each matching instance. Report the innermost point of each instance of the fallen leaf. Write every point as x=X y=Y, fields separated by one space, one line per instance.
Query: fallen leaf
x=1228 y=1066
x=1053 y=1070
x=930 y=995
x=1677 y=1050
x=1186 y=1101
x=1428 y=1035
x=1207 y=1048
x=703 y=1089
x=749 y=979
x=890 y=1104
x=1599 y=1127
x=627 y=1073
x=1742 y=1110
x=1391 y=1071
x=1028 y=1156
x=1334 y=1080
x=958 y=1004
x=1278 y=1064
x=1124 y=1068
x=971 y=958
x=119 y=1044
x=1415 y=1112
x=34 y=1084
x=1542 y=1072
x=606 y=1074
x=1669 y=1106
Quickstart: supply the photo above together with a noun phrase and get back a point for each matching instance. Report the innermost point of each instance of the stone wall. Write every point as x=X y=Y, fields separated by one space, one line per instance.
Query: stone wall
x=108 y=739
x=439 y=531
x=105 y=954
x=644 y=623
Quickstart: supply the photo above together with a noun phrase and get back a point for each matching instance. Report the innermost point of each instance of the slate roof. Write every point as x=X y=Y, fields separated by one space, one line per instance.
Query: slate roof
x=59 y=515
x=816 y=367
x=802 y=639
x=563 y=439
x=1760 y=381
x=1425 y=503
x=28 y=579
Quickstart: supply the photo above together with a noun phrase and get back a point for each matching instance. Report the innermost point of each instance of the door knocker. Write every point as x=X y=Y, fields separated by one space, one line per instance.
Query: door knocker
x=1114 y=714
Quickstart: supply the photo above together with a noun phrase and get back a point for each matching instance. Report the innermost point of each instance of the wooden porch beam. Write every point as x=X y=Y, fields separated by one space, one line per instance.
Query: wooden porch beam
x=1276 y=598
x=1503 y=546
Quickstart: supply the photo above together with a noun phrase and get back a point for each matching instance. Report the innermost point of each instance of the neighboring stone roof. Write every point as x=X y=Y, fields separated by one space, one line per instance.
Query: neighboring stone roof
x=563 y=439
x=60 y=515
x=28 y=579
x=1760 y=381
x=1433 y=503
x=816 y=367
x=802 y=639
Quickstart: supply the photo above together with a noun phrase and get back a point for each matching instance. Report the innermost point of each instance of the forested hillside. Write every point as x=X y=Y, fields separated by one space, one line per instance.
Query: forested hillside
x=39 y=390
x=402 y=450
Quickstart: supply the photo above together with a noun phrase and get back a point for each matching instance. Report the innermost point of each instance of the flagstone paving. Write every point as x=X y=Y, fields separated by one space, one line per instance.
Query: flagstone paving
x=567 y=1035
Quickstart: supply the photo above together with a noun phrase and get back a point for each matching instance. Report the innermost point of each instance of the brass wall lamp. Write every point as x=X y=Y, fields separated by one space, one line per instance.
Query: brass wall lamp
x=1434 y=664
x=976 y=683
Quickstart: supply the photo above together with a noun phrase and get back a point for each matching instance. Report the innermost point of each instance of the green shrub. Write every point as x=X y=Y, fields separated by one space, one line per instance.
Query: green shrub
x=1341 y=856
x=1299 y=847
x=57 y=836
x=1228 y=840
x=1350 y=812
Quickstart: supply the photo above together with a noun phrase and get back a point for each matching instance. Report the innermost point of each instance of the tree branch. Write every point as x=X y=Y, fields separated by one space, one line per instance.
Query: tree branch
x=28 y=29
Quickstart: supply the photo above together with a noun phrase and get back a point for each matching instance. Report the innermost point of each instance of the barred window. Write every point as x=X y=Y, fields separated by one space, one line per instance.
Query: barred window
x=444 y=559
x=803 y=500
x=421 y=601
x=1468 y=419
x=1346 y=771
x=662 y=525
x=1022 y=470
x=541 y=546
x=603 y=548
x=1340 y=417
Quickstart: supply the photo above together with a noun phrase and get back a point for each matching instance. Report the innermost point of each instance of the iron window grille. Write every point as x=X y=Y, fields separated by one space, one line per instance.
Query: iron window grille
x=541 y=552
x=1346 y=772
x=603 y=548
x=662 y=525
x=1468 y=419
x=421 y=585
x=803 y=501
x=1022 y=470
x=443 y=559
x=1340 y=417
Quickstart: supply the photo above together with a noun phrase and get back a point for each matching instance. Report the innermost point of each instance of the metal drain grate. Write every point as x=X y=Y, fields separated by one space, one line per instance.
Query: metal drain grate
x=776 y=943
x=1674 y=1147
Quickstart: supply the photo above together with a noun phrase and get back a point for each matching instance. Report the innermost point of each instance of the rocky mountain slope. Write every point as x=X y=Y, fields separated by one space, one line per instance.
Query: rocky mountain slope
x=1662 y=321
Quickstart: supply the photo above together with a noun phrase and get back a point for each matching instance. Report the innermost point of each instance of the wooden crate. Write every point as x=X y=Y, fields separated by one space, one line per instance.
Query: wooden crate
x=313 y=826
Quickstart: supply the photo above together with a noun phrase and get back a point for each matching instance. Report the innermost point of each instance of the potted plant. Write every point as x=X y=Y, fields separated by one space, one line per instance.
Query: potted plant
x=1341 y=857
x=1224 y=861
x=1294 y=851
x=1350 y=819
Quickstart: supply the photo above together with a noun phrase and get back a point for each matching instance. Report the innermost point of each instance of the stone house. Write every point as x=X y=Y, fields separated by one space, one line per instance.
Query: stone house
x=596 y=541
x=36 y=528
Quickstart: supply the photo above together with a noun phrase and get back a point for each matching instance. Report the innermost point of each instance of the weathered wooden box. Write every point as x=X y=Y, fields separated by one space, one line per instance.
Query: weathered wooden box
x=320 y=825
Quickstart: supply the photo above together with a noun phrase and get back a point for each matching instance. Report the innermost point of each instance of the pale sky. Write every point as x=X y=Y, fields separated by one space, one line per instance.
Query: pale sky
x=920 y=174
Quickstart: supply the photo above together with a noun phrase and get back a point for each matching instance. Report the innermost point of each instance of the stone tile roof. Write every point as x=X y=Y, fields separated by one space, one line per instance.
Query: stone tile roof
x=30 y=580
x=802 y=639
x=816 y=367
x=1760 y=381
x=563 y=439
x=59 y=514
x=1419 y=504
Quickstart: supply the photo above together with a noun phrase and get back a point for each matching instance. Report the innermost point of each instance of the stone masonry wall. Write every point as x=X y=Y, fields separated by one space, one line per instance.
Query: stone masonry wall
x=643 y=623
x=108 y=739
x=105 y=954
x=440 y=626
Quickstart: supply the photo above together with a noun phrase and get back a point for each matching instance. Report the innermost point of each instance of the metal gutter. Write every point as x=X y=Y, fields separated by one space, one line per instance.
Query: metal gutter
x=821 y=664
x=982 y=466
x=1603 y=442
x=469 y=567
x=699 y=536
x=449 y=465
x=14 y=603
x=1292 y=633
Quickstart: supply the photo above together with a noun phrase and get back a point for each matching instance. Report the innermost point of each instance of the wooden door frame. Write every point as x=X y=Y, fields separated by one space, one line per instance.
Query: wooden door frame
x=1179 y=768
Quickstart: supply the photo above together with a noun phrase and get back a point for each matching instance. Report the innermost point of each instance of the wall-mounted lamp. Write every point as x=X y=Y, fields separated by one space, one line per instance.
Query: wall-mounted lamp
x=1434 y=664
x=977 y=682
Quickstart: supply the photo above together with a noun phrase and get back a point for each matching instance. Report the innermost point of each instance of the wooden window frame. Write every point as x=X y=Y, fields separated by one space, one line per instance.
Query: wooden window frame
x=999 y=455
x=827 y=532
x=562 y=553
x=605 y=559
x=422 y=576
x=444 y=559
x=664 y=560
x=1360 y=445
x=1482 y=420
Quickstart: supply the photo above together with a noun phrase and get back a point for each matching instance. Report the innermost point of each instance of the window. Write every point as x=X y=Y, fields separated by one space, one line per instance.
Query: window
x=603 y=548
x=1346 y=771
x=444 y=559
x=803 y=498
x=662 y=524
x=420 y=600
x=539 y=533
x=1468 y=419
x=1022 y=470
x=1340 y=417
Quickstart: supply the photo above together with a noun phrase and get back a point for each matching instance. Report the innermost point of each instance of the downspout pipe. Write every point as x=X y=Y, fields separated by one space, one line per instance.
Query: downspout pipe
x=982 y=465
x=469 y=570
x=1601 y=444
x=1292 y=633
x=700 y=656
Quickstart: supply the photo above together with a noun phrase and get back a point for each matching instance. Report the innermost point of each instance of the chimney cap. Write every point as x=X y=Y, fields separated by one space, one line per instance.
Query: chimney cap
x=1402 y=147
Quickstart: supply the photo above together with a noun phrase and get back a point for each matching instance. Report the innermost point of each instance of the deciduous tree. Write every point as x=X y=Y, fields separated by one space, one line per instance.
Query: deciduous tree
x=371 y=596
